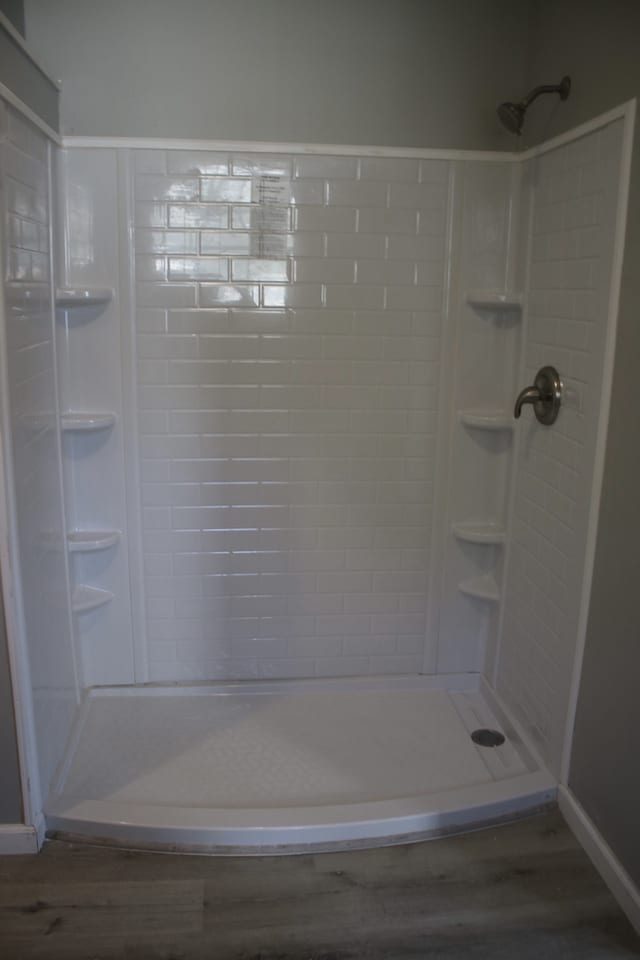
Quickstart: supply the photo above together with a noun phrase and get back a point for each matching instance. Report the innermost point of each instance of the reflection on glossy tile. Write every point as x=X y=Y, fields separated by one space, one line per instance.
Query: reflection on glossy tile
x=230 y=295
x=300 y=295
x=214 y=216
x=266 y=270
x=225 y=190
x=205 y=268
x=260 y=165
x=166 y=241
x=166 y=188
x=225 y=242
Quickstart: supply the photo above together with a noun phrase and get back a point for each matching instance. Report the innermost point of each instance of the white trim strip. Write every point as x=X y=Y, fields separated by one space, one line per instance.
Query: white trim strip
x=445 y=420
x=627 y=114
x=40 y=828
x=17 y=839
x=18 y=39
x=601 y=855
x=19 y=105
x=133 y=485
x=258 y=146
x=525 y=215
x=52 y=210
x=620 y=112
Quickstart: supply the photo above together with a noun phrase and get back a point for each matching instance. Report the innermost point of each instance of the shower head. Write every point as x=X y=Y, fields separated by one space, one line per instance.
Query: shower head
x=512 y=114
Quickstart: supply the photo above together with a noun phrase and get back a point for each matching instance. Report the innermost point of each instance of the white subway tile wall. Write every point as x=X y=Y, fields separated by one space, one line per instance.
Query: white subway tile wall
x=574 y=214
x=288 y=361
x=24 y=222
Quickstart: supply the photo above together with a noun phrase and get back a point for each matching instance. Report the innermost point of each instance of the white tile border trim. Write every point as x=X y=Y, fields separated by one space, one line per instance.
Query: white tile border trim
x=260 y=146
x=601 y=855
x=51 y=215
x=16 y=839
x=621 y=112
x=129 y=347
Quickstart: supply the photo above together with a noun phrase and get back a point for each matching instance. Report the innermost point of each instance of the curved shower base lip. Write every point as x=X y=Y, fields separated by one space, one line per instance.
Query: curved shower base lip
x=238 y=768
x=295 y=830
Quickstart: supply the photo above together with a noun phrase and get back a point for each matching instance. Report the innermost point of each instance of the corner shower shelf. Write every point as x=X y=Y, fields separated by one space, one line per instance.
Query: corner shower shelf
x=67 y=297
x=495 y=300
x=485 y=532
x=73 y=421
x=486 y=419
x=89 y=541
x=482 y=588
x=86 y=598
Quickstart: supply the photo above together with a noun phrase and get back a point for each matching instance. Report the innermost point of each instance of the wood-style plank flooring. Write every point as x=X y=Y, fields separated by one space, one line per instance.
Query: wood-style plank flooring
x=520 y=892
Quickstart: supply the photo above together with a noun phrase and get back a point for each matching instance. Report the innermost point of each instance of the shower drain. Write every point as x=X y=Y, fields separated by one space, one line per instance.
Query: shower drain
x=487 y=738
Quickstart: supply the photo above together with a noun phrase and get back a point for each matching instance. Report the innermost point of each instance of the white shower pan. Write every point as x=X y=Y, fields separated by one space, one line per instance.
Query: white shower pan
x=290 y=766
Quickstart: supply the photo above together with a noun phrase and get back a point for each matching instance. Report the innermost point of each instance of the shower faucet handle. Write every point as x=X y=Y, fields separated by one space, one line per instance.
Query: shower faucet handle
x=545 y=395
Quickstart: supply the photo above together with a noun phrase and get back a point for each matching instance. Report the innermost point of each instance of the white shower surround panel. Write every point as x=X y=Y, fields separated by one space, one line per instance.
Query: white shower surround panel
x=288 y=364
x=574 y=196
x=487 y=222
x=30 y=410
x=565 y=187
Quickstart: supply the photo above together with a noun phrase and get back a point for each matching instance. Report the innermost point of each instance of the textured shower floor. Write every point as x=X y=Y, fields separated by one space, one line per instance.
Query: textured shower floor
x=222 y=766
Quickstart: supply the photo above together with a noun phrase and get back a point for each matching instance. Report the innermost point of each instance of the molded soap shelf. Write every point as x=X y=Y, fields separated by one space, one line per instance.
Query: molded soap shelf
x=486 y=419
x=482 y=588
x=86 y=598
x=485 y=532
x=68 y=297
x=73 y=421
x=495 y=300
x=88 y=541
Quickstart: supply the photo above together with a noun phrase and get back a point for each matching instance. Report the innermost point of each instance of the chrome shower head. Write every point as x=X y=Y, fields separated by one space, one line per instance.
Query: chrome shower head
x=512 y=114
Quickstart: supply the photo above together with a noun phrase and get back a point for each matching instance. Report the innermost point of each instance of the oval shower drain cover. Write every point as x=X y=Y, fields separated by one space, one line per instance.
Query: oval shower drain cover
x=487 y=738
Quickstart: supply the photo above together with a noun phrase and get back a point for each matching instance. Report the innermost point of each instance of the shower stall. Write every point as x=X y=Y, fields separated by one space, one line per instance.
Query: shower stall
x=279 y=561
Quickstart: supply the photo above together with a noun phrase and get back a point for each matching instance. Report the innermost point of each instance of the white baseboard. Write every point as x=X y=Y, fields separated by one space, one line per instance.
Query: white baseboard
x=601 y=855
x=40 y=828
x=18 y=838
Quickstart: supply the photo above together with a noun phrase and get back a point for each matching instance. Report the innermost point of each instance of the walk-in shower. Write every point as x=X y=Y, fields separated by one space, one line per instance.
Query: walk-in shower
x=289 y=571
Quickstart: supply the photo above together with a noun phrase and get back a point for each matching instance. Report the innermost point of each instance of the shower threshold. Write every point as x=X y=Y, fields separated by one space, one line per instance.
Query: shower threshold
x=290 y=766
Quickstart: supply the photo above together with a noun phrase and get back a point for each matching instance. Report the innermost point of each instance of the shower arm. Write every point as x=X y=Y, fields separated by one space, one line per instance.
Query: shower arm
x=559 y=88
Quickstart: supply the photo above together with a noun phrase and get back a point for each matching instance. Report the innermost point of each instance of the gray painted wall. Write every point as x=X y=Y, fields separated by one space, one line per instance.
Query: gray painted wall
x=19 y=73
x=597 y=43
x=14 y=10
x=10 y=791
x=389 y=72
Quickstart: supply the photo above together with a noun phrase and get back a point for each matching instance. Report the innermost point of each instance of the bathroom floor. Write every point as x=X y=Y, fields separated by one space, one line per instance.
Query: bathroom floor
x=303 y=763
x=524 y=891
